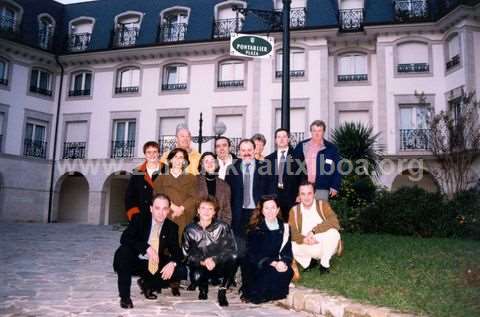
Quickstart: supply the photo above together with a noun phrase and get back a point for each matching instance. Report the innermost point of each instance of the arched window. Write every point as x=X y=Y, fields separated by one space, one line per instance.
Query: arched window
x=231 y=73
x=10 y=16
x=175 y=77
x=46 y=29
x=41 y=81
x=128 y=80
x=81 y=83
x=174 y=24
x=453 y=51
x=413 y=57
x=3 y=71
x=127 y=29
x=227 y=20
x=352 y=67
x=298 y=11
x=80 y=34
x=297 y=63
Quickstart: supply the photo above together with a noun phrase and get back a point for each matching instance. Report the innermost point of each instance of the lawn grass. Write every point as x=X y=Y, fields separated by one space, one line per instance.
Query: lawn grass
x=436 y=277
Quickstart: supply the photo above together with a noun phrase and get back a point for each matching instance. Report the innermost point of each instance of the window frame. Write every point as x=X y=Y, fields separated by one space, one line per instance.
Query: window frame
x=336 y=67
x=71 y=85
x=49 y=92
x=117 y=84
x=430 y=59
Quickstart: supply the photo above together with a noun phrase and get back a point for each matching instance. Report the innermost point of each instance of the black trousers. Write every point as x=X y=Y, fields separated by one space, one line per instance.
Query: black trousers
x=127 y=264
x=285 y=203
x=225 y=271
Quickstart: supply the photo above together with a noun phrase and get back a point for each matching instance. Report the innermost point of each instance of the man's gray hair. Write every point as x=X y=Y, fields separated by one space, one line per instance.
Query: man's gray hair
x=182 y=126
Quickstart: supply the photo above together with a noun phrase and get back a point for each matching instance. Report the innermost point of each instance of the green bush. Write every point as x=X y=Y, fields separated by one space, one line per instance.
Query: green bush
x=466 y=207
x=347 y=215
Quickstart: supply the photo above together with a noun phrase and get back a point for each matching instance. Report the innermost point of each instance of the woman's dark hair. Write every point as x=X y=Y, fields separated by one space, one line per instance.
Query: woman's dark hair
x=257 y=215
x=210 y=200
x=200 y=168
x=174 y=152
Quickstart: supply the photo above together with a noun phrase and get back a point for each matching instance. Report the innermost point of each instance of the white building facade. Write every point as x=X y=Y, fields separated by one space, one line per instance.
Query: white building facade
x=85 y=113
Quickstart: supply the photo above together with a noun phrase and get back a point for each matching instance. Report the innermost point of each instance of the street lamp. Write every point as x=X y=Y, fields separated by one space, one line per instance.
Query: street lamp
x=276 y=19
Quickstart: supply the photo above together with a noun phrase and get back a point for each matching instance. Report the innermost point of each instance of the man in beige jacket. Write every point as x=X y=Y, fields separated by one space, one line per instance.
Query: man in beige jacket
x=314 y=226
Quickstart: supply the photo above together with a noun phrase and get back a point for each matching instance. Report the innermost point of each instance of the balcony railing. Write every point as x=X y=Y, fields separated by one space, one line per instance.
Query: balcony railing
x=74 y=150
x=79 y=42
x=411 y=10
x=125 y=37
x=353 y=77
x=35 y=148
x=223 y=27
x=41 y=91
x=8 y=24
x=454 y=61
x=415 y=139
x=123 y=149
x=350 y=20
x=4 y=81
x=81 y=92
x=413 y=68
x=172 y=32
x=293 y=73
x=180 y=86
x=298 y=17
x=126 y=90
x=296 y=137
x=229 y=83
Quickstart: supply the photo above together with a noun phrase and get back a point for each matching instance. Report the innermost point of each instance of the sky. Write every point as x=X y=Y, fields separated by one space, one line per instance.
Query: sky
x=71 y=1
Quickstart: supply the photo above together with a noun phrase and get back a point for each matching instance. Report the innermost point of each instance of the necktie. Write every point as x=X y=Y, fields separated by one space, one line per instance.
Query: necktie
x=246 y=186
x=154 y=243
x=281 y=169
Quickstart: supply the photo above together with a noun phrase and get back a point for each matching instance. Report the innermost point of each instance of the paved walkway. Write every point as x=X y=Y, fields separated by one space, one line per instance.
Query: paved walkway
x=66 y=270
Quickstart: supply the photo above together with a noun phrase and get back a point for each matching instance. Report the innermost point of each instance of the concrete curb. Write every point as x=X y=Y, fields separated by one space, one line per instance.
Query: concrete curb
x=318 y=303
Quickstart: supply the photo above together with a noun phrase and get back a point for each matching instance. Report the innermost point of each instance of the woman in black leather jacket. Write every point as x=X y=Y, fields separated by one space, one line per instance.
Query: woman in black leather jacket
x=210 y=250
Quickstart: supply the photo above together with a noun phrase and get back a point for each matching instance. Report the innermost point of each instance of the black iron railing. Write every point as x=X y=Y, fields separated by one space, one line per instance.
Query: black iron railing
x=411 y=10
x=296 y=137
x=123 y=149
x=353 y=77
x=223 y=27
x=74 y=150
x=35 y=148
x=350 y=20
x=413 y=68
x=180 y=86
x=78 y=42
x=124 y=36
x=298 y=17
x=168 y=142
x=126 y=90
x=41 y=91
x=229 y=83
x=79 y=92
x=172 y=32
x=293 y=73
x=454 y=61
x=8 y=24
x=415 y=139
x=4 y=81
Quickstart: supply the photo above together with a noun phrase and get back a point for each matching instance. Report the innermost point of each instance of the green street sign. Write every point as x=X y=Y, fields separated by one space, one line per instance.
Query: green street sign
x=247 y=45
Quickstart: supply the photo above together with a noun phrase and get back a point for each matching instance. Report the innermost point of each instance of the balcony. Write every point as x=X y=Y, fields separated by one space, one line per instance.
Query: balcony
x=125 y=37
x=222 y=28
x=77 y=93
x=41 y=91
x=35 y=148
x=454 y=61
x=411 y=11
x=78 y=42
x=126 y=90
x=350 y=20
x=74 y=150
x=229 y=83
x=123 y=149
x=9 y=28
x=180 y=86
x=352 y=77
x=293 y=73
x=413 y=68
x=172 y=32
x=296 y=137
x=298 y=17
x=415 y=139
x=4 y=81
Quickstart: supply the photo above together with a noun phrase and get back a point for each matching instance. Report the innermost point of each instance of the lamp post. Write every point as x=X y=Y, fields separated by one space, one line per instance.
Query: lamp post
x=277 y=19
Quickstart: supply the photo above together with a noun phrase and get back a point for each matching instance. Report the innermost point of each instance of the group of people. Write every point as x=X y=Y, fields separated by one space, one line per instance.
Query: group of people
x=201 y=217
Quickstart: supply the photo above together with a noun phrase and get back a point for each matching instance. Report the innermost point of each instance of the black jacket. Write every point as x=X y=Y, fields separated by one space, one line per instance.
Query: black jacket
x=138 y=231
x=215 y=241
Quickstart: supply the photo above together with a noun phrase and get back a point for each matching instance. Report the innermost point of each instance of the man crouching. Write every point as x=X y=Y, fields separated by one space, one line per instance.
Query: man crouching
x=149 y=248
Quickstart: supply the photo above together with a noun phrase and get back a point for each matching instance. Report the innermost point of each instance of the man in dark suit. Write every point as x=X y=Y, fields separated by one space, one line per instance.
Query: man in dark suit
x=149 y=248
x=248 y=180
x=138 y=195
x=284 y=180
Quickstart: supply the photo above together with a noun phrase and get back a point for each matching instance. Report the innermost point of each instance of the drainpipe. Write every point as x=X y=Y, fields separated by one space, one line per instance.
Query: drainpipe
x=55 y=137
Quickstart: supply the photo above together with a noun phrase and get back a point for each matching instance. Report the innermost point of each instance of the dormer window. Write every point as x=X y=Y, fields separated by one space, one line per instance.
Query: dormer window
x=127 y=29
x=10 y=16
x=350 y=15
x=298 y=12
x=80 y=34
x=46 y=29
x=226 y=20
x=174 y=25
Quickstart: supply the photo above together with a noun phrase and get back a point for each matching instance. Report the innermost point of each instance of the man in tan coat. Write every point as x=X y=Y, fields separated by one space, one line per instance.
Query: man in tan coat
x=314 y=226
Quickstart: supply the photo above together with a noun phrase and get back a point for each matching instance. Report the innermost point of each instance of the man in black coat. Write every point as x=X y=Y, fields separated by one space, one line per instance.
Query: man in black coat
x=285 y=177
x=149 y=248
x=138 y=195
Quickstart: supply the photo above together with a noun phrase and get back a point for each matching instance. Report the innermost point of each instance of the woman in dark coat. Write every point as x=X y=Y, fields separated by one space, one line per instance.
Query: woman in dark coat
x=209 y=184
x=269 y=254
